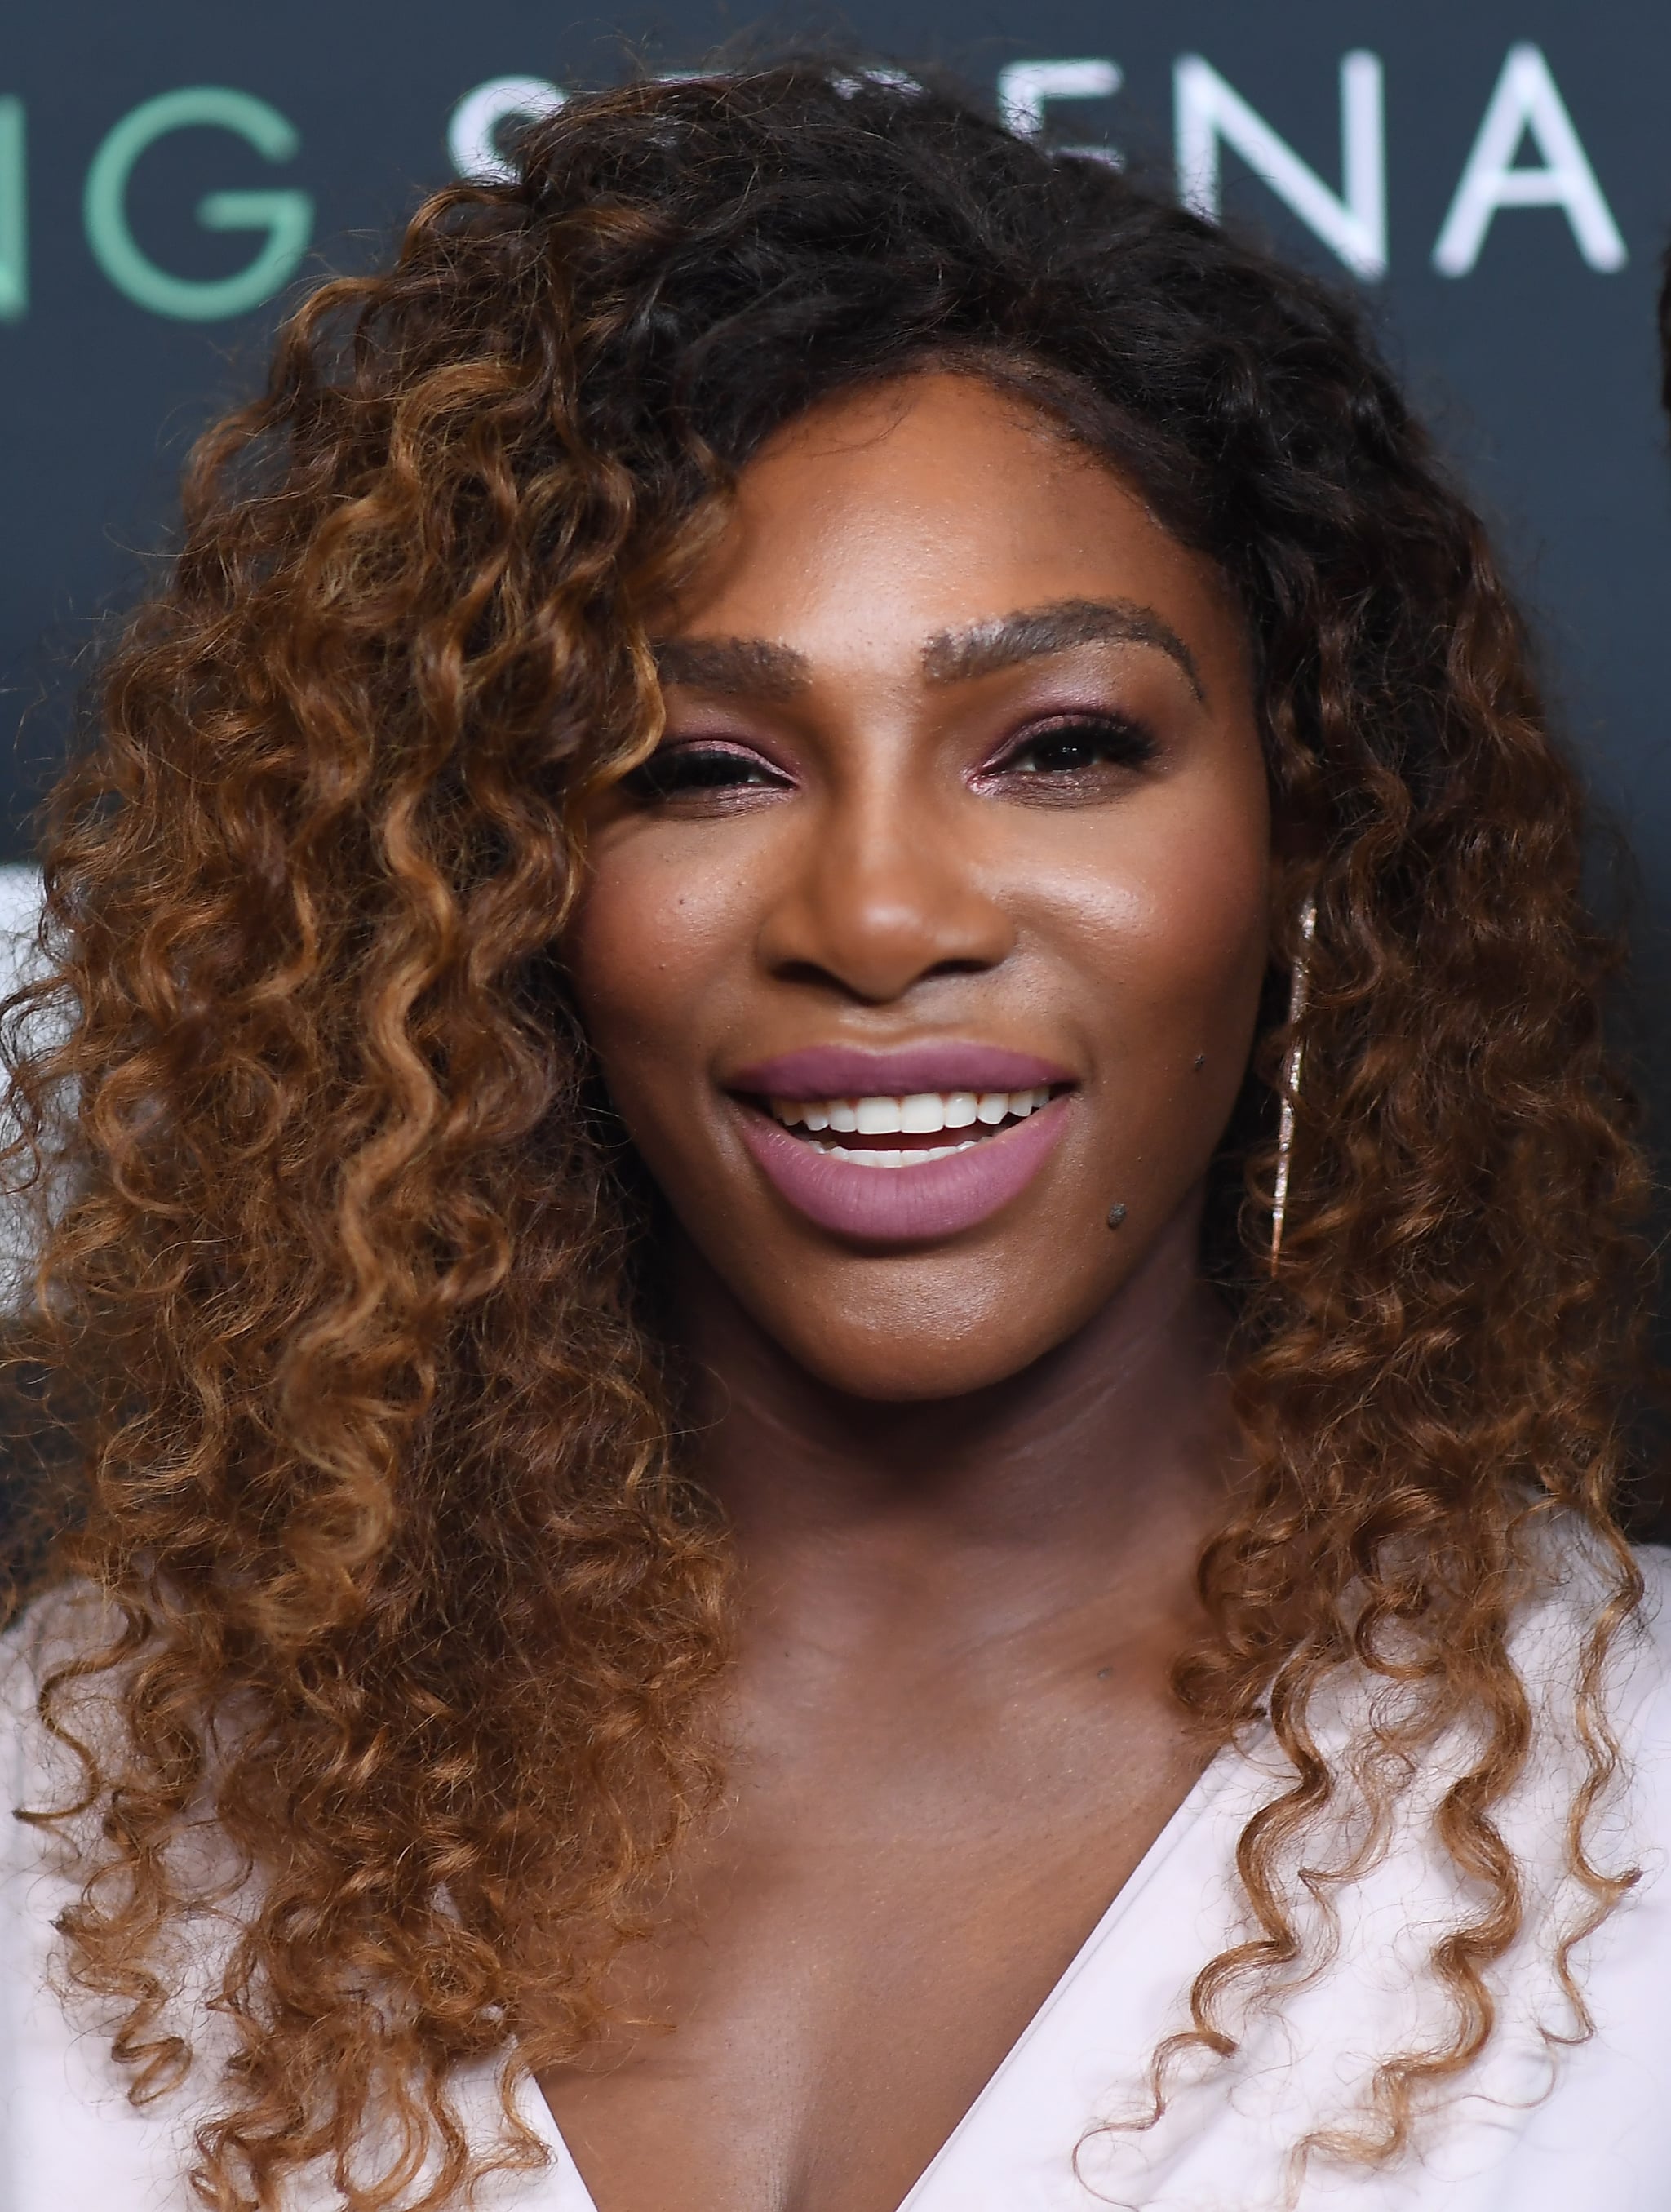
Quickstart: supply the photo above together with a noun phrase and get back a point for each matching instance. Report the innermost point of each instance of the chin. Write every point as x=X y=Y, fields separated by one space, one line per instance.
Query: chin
x=913 y=1366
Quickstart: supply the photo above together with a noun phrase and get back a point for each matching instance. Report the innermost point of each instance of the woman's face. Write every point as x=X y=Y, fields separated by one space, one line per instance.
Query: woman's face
x=935 y=929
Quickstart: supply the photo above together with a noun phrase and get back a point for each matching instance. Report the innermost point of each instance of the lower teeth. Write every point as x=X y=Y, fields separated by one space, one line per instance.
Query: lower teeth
x=872 y=1158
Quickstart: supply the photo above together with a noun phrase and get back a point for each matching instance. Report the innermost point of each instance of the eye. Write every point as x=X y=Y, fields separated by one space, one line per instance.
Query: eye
x=1076 y=749
x=700 y=771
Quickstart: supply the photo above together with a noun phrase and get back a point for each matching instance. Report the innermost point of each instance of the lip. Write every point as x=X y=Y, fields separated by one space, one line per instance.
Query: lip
x=903 y=1206
x=834 y=1071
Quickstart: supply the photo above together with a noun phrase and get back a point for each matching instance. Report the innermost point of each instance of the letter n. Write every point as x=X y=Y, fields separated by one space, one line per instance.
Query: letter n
x=1351 y=222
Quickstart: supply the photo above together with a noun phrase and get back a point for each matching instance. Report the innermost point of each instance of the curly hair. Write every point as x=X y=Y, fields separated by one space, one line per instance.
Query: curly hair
x=374 y=1465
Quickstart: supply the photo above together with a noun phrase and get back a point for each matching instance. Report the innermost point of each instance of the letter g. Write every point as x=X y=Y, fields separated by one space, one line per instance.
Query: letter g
x=286 y=217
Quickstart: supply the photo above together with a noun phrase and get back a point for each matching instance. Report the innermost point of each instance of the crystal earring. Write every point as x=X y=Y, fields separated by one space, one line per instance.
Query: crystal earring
x=1298 y=988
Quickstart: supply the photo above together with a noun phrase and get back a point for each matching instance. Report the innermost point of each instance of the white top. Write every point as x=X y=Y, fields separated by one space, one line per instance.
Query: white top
x=1535 y=2127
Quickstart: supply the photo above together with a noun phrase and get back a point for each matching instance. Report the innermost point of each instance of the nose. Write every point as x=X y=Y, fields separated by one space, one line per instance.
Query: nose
x=884 y=891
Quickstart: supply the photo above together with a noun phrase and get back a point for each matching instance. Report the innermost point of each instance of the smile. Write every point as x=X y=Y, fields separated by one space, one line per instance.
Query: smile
x=918 y=1115
x=964 y=1127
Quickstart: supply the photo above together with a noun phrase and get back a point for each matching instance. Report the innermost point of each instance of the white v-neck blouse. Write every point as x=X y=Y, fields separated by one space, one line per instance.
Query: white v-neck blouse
x=1536 y=2126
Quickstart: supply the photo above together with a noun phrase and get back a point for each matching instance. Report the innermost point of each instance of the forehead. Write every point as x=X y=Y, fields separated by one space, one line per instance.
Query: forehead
x=889 y=517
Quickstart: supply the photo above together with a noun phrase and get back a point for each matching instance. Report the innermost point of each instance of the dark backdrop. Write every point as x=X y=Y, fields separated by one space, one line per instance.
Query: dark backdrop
x=1536 y=363
x=169 y=172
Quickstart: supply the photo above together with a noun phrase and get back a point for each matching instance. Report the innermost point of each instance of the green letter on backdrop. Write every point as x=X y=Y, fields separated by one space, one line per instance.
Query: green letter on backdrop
x=14 y=214
x=287 y=216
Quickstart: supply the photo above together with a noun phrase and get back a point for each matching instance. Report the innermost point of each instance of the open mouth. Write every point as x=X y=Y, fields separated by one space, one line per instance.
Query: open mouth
x=827 y=1123
x=912 y=1130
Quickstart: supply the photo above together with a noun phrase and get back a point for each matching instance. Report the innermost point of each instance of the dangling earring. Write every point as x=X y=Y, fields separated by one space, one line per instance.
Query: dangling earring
x=1290 y=1076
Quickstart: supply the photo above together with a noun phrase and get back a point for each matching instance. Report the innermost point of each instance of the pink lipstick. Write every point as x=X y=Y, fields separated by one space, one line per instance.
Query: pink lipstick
x=835 y=1071
x=902 y=1146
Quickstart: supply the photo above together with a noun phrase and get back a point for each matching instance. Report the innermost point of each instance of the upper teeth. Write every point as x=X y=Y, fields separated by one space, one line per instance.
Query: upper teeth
x=920 y=1113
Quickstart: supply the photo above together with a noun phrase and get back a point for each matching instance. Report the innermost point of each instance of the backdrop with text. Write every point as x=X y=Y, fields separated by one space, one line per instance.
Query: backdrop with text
x=1497 y=179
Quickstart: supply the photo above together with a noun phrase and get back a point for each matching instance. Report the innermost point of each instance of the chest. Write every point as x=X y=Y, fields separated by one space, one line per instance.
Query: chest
x=849 y=1955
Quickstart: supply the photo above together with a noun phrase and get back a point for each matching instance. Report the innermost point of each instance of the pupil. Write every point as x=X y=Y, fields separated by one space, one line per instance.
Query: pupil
x=1065 y=752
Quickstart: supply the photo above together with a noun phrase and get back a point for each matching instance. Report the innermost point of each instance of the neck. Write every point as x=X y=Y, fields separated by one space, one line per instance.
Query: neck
x=1110 y=1452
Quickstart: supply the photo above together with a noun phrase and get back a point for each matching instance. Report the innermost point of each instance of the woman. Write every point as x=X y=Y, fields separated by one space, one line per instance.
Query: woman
x=829 y=1177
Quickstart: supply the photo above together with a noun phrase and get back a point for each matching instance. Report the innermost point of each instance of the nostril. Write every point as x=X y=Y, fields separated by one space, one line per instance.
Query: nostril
x=964 y=967
x=810 y=972
x=870 y=981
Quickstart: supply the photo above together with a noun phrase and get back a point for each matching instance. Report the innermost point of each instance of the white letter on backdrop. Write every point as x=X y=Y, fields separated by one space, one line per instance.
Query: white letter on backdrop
x=1025 y=87
x=472 y=129
x=1352 y=223
x=1527 y=100
x=850 y=86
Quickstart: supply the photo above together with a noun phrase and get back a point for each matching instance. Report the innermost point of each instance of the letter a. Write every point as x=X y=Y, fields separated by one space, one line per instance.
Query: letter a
x=1526 y=100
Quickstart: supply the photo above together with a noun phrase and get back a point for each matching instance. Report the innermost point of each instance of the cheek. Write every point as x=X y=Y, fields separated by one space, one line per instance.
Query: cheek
x=1169 y=941
x=648 y=952
x=1174 y=910
x=1196 y=935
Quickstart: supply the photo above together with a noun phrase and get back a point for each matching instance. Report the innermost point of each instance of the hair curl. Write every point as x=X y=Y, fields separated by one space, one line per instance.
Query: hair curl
x=373 y=1461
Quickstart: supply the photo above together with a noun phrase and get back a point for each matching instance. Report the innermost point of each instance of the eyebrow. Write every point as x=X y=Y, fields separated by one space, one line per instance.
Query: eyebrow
x=733 y=667
x=1008 y=641
x=755 y=668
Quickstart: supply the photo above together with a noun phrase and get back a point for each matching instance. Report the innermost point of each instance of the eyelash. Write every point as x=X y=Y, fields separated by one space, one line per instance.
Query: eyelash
x=705 y=769
x=1122 y=743
x=688 y=771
